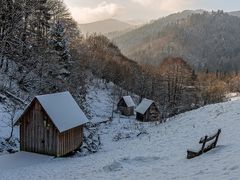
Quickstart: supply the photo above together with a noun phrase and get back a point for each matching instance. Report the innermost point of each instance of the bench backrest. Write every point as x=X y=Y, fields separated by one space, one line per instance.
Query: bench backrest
x=206 y=139
x=209 y=138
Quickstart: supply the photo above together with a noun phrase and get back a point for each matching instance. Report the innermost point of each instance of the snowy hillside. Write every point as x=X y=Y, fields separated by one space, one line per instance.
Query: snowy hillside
x=133 y=150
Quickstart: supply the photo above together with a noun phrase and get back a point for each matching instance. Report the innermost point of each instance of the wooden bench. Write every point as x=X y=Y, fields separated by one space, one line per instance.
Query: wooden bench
x=203 y=141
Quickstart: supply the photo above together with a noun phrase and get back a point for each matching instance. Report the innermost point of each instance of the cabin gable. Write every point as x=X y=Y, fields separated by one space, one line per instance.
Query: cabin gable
x=151 y=113
x=37 y=131
x=122 y=103
x=124 y=108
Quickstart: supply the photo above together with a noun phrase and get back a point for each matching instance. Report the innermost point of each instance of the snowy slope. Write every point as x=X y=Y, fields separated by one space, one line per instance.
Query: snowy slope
x=158 y=153
x=100 y=101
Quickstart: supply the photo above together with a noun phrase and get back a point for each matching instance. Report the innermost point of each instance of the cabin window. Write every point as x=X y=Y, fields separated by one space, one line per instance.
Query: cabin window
x=48 y=126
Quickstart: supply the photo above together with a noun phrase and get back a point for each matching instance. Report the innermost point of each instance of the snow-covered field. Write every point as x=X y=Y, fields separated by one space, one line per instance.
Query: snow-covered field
x=158 y=153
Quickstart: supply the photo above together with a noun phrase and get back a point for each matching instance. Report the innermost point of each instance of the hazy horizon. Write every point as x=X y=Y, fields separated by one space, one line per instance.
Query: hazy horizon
x=85 y=11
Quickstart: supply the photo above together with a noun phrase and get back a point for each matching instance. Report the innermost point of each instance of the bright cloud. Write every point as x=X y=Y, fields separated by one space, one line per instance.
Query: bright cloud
x=85 y=11
x=144 y=2
x=102 y=11
x=165 y=5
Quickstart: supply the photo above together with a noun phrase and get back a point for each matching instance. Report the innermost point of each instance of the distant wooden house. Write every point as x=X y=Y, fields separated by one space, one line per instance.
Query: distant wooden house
x=52 y=124
x=147 y=111
x=126 y=106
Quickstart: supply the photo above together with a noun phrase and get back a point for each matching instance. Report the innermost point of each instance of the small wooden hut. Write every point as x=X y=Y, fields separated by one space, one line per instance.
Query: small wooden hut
x=52 y=124
x=147 y=111
x=126 y=106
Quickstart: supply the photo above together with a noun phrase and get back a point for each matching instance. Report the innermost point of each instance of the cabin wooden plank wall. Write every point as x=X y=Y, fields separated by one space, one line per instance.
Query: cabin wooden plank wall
x=152 y=113
x=140 y=117
x=127 y=111
x=70 y=140
x=37 y=132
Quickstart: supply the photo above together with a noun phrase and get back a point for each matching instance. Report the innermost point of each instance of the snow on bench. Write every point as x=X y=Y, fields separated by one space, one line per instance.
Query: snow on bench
x=204 y=140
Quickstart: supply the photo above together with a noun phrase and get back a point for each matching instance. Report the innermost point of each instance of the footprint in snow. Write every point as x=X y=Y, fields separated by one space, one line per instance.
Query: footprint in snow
x=140 y=159
x=234 y=168
x=199 y=172
x=115 y=166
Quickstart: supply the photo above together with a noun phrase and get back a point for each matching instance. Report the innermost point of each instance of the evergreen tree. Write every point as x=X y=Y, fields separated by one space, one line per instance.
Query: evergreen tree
x=10 y=30
x=59 y=42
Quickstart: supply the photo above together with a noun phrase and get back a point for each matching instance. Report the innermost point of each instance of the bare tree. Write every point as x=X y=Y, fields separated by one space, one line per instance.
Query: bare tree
x=176 y=75
x=11 y=109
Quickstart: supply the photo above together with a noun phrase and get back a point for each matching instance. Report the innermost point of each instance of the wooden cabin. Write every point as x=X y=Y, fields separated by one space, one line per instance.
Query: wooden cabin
x=52 y=124
x=126 y=106
x=147 y=111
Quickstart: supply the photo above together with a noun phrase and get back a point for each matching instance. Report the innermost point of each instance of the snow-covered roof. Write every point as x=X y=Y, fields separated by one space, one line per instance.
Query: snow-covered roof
x=144 y=105
x=128 y=100
x=63 y=110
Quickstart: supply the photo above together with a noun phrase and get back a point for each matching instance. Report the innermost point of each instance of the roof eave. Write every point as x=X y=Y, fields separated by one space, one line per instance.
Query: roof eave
x=17 y=121
x=71 y=128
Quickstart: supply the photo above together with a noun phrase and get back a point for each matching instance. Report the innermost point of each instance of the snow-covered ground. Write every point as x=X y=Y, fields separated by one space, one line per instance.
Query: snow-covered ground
x=99 y=100
x=158 y=153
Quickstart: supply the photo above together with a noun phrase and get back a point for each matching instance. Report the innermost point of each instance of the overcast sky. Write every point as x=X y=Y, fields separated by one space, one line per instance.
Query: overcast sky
x=85 y=11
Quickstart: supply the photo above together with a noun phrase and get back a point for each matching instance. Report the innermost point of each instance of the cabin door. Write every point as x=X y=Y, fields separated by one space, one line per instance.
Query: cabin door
x=41 y=132
x=45 y=138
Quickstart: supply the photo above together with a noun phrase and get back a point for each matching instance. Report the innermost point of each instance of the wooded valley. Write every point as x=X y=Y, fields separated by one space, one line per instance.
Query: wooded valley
x=43 y=51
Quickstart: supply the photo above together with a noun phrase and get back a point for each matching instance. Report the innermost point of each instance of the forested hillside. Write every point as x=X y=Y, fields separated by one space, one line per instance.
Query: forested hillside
x=43 y=51
x=40 y=47
x=235 y=13
x=205 y=40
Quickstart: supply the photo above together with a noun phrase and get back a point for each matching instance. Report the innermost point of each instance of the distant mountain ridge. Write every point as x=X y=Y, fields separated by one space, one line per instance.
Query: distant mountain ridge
x=111 y=26
x=235 y=13
x=105 y=26
x=207 y=40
